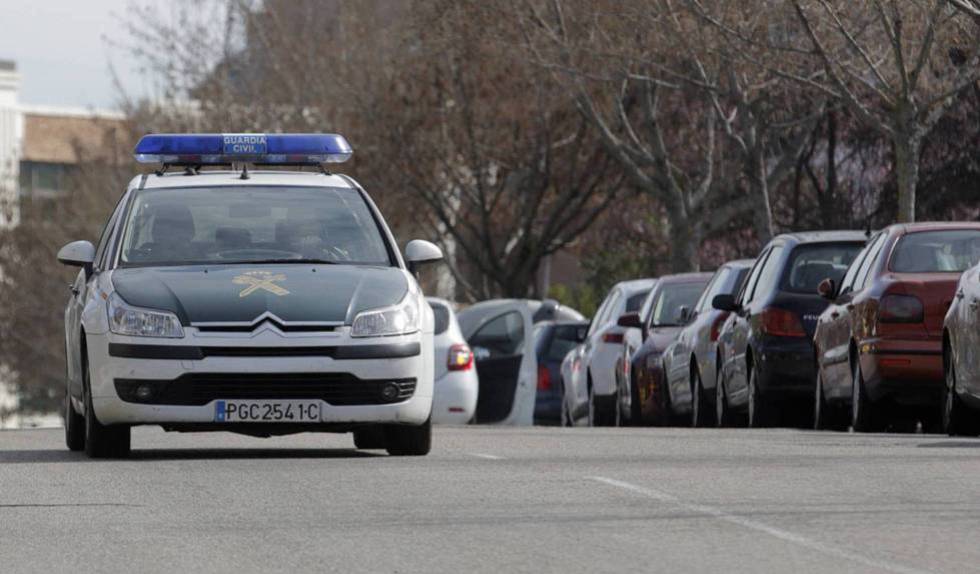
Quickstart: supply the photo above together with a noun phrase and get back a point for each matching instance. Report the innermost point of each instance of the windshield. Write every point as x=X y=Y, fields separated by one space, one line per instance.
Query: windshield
x=250 y=225
x=937 y=251
x=669 y=300
x=811 y=264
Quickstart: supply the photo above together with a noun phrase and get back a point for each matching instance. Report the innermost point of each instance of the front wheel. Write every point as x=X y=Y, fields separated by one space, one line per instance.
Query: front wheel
x=103 y=441
x=760 y=407
x=74 y=426
x=403 y=440
x=723 y=413
x=956 y=421
x=864 y=414
x=700 y=409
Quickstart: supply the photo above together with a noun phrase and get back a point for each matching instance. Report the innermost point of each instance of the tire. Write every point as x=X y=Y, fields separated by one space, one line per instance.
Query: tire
x=636 y=409
x=700 y=408
x=601 y=409
x=369 y=438
x=760 y=408
x=74 y=427
x=825 y=415
x=864 y=414
x=102 y=441
x=616 y=414
x=402 y=440
x=566 y=416
x=666 y=403
x=591 y=417
x=957 y=420
x=723 y=413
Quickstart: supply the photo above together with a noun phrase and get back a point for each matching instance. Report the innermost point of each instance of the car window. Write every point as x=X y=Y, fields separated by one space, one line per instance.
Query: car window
x=766 y=282
x=666 y=308
x=597 y=319
x=946 y=251
x=847 y=283
x=441 y=315
x=808 y=265
x=862 y=275
x=202 y=225
x=107 y=233
x=502 y=336
x=717 y=286
x=749 y=289
x=563 y=340
x=611 y=308
x=635 y=301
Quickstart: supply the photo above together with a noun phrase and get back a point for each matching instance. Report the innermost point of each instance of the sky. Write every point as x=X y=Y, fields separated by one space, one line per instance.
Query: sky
x=61 y=52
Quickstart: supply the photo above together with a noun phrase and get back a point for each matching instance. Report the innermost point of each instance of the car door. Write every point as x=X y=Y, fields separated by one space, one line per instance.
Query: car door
x=741 y=328
x=503 y=349
x=966 y=337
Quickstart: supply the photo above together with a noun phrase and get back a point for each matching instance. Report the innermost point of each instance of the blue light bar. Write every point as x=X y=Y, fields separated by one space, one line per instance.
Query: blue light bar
x=312 y=149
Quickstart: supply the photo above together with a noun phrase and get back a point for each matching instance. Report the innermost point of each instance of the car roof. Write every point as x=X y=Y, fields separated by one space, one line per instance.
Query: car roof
x=634 y=285
x=739 y=263
x=177 y=179
x=844 y=235
x=932 y=226
x=685 y=278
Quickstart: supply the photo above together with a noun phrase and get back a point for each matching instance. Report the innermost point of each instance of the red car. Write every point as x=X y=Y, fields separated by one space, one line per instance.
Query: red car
x=879 y=343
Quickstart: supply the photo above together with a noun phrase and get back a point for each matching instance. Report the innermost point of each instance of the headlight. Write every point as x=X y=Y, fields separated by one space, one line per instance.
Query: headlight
x=127 y=320
x=400 y=319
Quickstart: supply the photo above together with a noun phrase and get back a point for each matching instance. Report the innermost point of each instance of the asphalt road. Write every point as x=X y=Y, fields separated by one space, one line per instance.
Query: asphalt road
x=496 y=500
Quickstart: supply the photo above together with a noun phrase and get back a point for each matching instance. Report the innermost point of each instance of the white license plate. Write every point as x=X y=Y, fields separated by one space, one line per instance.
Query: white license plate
x=243 y=411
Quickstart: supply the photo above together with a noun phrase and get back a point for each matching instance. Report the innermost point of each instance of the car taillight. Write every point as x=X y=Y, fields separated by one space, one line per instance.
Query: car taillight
x=781 y=323
x=544 y=378
x=900 y=309
x=616 y=338
x=460 y=358
x=717 y=325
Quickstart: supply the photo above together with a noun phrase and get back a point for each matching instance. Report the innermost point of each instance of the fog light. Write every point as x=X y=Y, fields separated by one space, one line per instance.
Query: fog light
x=390 y=392
x=144 y=392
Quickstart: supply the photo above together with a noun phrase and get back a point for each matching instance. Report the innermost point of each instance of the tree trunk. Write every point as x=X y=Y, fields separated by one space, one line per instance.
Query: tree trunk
x=759 y=188
x=907 y=146
x=684 y=242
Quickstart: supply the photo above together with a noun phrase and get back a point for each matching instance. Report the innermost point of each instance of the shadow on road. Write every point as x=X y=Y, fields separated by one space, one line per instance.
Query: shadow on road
x=952 y=444
x=63 y=456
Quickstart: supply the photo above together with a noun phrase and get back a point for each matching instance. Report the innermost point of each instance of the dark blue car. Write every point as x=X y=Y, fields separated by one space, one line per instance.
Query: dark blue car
x=552 y=341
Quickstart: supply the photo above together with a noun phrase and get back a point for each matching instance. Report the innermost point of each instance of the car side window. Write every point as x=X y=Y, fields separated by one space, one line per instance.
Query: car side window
x=753 y=281
x=847 y=282
x=862 y=275
x=106 y=238
x=610 y=310
x=771 y=272
x=501 y=337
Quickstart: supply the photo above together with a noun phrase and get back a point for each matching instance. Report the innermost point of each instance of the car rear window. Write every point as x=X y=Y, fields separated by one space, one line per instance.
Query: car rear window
x=636 y=300
x=441 y=314
x=811 y=264
x=948 y=251
x=562 y=341
x=666 y=308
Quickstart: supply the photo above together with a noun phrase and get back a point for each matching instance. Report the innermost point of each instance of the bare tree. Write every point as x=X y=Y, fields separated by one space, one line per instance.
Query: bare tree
x=897 y=66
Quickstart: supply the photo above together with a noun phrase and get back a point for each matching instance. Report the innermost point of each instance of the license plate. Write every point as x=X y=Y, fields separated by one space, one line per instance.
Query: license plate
x=241 y=411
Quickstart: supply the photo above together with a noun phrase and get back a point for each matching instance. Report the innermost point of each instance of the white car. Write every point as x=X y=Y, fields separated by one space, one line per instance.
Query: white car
x=456 y=385
x=602 y=352
x=501 y=334
x=257 y=302
x=575 y=392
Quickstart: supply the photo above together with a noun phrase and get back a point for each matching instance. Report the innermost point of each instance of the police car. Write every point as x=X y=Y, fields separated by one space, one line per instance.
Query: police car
x=258 y=302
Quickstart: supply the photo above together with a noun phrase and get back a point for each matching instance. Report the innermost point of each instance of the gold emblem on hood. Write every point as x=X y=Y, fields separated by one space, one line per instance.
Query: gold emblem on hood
x=264 y=280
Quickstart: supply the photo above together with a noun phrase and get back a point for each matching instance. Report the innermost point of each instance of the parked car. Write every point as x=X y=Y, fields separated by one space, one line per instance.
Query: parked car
x=575 y=393
x=879 y=342
x=603 y=348
x=961 y=358
x=553 y=340
x=500 y=334
x=689 y=361
x=765 y=348
x=644 y=393
x=456 y=383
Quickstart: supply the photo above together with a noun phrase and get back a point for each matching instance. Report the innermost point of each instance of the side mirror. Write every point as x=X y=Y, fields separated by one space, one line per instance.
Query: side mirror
x=827 y=289
x=418 y=252
x=630 y=320
x=725 y=302
x=78 y=254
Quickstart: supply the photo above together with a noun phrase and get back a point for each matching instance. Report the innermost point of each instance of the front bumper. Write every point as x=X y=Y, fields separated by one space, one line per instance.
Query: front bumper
x=277 y=357
x=908 y=372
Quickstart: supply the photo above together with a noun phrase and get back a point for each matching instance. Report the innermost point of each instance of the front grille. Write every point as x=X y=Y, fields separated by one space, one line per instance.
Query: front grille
x=341 y=389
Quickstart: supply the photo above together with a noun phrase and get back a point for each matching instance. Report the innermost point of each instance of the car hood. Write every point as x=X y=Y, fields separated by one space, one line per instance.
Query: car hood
x=243 y=293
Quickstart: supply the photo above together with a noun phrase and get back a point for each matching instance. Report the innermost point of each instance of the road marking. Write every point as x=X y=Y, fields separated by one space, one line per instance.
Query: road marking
x=761 y=527
x=486 y=456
